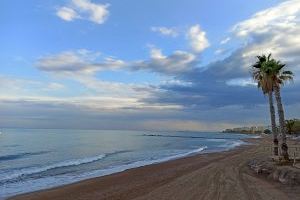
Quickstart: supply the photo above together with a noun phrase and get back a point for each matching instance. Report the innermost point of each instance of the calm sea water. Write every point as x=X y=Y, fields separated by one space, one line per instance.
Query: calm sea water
x=34 y=159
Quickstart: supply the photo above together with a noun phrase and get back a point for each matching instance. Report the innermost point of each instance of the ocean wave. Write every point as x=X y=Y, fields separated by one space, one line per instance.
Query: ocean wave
x=216 y=140
x=34 y=170
x=21 y=155
x=12 y=145
x=194 y=151
x=14 y=188
x=232 y=144
x=120 y=168
x=118 y=152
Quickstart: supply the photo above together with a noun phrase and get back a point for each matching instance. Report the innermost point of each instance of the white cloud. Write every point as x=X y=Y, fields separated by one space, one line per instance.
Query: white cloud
x=82 y=65
x=67 y=14
x=225 y=41
x=20 y=87
x=173 y=64
x=282 y=16
x=219 y=51
x=98 y=94
x=55 y=86
x=165 y=31
x=95 y=12
x=197 y=38
x=112 y=89
x=84 y=9
x=78 y=62
x=275 y=30
x=156 y=54
x=84 y=62
x=241 y=82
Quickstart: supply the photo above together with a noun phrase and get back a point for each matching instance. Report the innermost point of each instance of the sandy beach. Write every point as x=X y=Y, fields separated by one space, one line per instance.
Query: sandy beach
x=224 y=175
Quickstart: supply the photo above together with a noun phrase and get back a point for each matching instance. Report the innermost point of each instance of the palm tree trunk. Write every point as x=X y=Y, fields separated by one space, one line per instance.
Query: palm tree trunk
x=284 y=147
x=273 y=123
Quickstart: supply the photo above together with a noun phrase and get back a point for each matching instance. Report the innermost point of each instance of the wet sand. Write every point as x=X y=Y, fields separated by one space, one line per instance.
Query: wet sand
x=212 y=176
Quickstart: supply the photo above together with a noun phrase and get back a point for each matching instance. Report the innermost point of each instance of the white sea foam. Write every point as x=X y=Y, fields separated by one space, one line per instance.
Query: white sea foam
x=232 y=144
x=136 y=164
x=216 y=140
x=256 y=136
x=34 y=170
x=15 y=188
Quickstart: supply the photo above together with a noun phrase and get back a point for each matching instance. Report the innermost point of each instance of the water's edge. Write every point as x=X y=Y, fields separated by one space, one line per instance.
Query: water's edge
x=122 y=168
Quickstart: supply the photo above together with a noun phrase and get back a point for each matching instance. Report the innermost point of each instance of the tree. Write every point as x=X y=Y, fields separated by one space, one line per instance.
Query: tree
x=277 y=76
x=290 y=125
x=264 y=82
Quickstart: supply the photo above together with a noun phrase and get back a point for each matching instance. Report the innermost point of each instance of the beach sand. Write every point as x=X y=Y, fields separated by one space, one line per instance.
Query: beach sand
x=212 y=176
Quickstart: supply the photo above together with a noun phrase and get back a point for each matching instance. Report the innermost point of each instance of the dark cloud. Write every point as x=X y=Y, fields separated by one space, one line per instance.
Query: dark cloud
x=209 y=87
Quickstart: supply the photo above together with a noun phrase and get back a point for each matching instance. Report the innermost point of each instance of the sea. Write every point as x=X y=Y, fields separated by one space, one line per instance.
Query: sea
x=35 y=159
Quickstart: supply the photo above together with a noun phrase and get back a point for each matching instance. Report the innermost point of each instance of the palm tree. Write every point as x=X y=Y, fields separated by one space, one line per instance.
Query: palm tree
x=264 y=82
x=277 y=76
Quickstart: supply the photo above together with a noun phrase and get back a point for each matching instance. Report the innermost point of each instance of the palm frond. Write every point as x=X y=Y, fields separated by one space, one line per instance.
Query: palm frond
x=279 y=66
x=288 y=73
x=269 y=56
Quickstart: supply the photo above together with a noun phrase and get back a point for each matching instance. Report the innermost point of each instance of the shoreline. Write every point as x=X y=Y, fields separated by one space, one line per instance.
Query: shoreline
x=122 y=168
x=159 y=180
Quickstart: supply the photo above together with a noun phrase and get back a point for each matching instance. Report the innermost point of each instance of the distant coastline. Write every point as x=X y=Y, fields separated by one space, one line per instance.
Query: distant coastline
x=241 y=132
x=248 y=130
x=292 y=128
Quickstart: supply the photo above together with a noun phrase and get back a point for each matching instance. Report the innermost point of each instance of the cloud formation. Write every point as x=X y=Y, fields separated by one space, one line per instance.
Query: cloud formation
x=171 y=65
x=225 y=41
x=274 y=30
x=165 y=31
x=197 y=38
x=84 y=9
x=86 y=62
x=282 y=16
x=191 y=96
x=44 y=114
x=67 y=14
x=81 y=61
x=227 y=82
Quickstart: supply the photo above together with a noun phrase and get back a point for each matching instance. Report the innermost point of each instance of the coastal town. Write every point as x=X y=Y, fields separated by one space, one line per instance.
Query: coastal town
x=292 y=126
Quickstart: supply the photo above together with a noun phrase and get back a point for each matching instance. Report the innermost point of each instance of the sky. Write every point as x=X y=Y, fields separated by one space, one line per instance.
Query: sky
x=143 y=65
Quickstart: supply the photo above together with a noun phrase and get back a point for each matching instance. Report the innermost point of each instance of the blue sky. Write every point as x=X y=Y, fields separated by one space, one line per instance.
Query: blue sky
x=141 y=64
